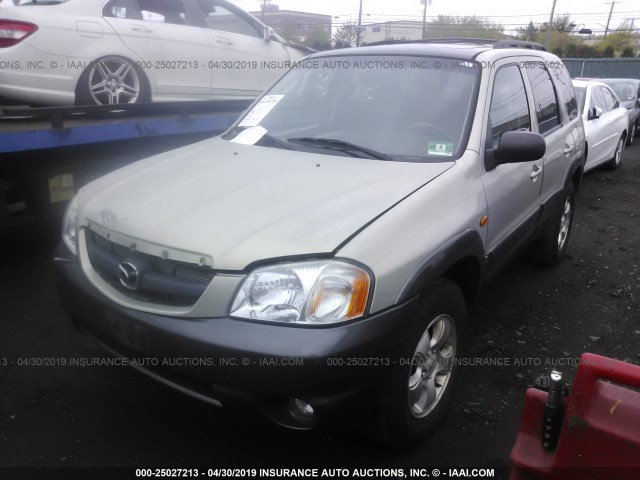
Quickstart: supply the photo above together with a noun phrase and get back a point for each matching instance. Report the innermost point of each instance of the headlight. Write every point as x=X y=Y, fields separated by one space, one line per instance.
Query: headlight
x=315 y=292
x=70 y=227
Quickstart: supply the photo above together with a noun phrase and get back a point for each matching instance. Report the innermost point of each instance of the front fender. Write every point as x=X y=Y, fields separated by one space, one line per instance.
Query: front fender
x=464 y=247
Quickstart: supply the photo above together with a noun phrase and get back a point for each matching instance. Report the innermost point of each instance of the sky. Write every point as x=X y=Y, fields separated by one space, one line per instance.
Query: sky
x=511 y=13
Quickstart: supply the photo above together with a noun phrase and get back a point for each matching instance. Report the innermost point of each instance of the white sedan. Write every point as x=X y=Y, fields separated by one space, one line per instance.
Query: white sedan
x=69 y=52
x=605 y=123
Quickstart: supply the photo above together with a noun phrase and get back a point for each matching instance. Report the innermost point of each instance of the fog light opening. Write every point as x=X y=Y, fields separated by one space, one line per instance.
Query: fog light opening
x=301 y=410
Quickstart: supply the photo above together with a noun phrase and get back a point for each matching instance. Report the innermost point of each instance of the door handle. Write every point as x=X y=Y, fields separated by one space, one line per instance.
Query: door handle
x=141 y=30
x=568 y=149
x=537 y=171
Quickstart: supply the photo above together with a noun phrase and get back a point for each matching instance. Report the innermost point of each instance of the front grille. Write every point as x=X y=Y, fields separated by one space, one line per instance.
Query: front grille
x=161 y=281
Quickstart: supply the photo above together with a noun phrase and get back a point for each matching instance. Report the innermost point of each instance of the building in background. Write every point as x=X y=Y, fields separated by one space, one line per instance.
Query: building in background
x=396 y=30
x=297 y=26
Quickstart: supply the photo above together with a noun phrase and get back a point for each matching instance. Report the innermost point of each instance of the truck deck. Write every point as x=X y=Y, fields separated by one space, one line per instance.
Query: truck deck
x=24 y=128
x=47 y=154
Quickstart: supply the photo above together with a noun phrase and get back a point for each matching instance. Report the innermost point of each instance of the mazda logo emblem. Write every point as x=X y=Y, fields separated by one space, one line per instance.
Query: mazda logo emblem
x=129 y=275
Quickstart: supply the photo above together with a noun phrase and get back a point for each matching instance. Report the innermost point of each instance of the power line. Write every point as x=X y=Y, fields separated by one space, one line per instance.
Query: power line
x=580 y=14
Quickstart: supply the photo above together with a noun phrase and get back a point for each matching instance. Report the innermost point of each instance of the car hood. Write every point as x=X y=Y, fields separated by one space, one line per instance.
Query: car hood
x=237 y=204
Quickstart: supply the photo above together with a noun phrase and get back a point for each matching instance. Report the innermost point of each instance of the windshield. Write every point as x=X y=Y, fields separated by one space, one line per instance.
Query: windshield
x=626 y=91
x=391 y=108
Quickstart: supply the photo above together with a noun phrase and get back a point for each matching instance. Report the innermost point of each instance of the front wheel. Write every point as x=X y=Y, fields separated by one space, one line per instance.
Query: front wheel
x=111 y=80
x=419 y=388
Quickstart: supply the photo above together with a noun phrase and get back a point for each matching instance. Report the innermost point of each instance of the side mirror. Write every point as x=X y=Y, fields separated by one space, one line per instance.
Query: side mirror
x=269 y=34
x=594 y=113
x=516 y=147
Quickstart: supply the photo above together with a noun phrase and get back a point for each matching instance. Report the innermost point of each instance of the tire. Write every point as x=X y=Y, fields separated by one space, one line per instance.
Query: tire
x=404 y=413
x=112 y=80
x=551 y=248
x=632 y=134
x=616 y=160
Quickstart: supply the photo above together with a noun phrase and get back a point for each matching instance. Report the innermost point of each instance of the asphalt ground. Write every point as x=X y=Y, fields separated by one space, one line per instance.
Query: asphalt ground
x=531 y=317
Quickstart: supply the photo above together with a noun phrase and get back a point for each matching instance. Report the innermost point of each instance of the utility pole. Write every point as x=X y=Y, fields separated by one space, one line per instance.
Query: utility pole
x=359 y=26
x=550 y=26
x=264 y=8
x=424 y=20
x=606 y=30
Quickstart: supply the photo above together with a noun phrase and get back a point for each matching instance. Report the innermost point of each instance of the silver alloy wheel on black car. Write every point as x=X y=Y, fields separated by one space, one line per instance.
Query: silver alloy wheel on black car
x=431 y=366
x=112 y=80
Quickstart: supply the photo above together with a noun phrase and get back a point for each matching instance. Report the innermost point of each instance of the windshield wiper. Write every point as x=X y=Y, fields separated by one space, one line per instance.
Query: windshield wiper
x=340 y=145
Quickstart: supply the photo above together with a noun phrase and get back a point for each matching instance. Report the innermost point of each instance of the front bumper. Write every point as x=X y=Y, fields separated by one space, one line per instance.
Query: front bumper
x=236 y=363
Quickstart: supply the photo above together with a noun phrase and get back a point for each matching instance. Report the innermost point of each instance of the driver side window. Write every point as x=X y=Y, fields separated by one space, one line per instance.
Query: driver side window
x=509 y=107
x=597 y=100
x=609 y=99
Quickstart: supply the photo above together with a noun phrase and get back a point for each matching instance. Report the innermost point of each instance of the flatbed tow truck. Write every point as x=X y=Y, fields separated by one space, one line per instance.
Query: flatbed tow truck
x=47 y=154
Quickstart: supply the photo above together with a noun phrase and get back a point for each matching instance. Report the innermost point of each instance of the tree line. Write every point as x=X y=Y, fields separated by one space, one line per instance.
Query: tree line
x=566 y=42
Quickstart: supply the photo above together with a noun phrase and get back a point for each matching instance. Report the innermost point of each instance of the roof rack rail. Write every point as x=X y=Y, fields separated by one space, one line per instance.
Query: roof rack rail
x=436 y=40
x=519 y=44
x=481 y=41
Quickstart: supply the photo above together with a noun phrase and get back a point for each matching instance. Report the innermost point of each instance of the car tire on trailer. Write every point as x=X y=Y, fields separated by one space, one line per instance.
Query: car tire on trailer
x=418 y=387
x=112 y=80
x=615 y=162
x=550 y=249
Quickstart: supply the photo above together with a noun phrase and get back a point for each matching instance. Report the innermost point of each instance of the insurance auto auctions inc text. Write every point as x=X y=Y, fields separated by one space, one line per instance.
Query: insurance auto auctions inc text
x=376 y=473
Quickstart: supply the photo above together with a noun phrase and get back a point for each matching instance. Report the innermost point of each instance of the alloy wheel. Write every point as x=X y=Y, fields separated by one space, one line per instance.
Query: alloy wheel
x=114 y=80
x=432 y=363
x=565 y=223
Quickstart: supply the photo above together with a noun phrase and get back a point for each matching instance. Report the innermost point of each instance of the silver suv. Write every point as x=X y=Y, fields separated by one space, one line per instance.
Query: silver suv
x=317 y=261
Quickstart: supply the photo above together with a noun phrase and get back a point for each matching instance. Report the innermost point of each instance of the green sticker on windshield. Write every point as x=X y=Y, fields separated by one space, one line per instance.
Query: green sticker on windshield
x=444 y=149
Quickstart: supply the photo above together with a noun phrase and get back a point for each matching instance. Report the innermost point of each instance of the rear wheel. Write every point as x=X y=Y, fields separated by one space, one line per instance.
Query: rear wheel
x=550 y=249
x=614 y=163
x=632 y=134
x=419 y=388
x=112 y=80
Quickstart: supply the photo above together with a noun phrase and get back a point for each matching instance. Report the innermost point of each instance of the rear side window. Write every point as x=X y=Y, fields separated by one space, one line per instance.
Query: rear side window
x=509 y=107
x=544 y=97
x=218 y=17
x=566 y=90
x=121 y=9
x=167 y=11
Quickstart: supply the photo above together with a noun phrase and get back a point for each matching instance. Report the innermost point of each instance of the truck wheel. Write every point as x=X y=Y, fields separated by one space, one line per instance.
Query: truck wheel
x=111 y=80
x=419 y=387
x=614 y=163
x=552 y=246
